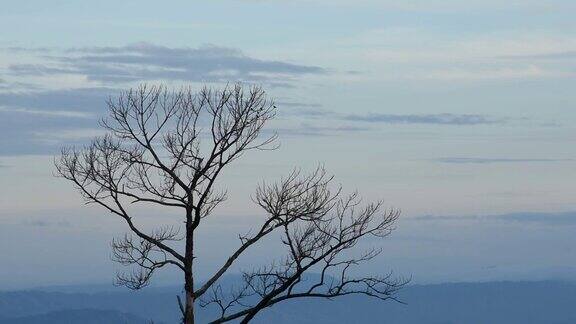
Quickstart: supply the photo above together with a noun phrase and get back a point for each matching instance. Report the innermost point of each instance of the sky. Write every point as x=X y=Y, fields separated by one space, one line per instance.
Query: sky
x=460 y=113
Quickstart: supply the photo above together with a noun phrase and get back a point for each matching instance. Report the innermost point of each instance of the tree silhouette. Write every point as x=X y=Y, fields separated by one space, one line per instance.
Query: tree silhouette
x=168 y=148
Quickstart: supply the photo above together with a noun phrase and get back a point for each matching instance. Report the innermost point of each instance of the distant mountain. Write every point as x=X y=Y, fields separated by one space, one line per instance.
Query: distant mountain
x=456 y=303
x=154 y=304
x=84 y=316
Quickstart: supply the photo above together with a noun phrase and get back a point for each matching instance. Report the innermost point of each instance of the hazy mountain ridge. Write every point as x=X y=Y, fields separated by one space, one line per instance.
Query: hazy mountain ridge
x=491 y=302
x=84 y=316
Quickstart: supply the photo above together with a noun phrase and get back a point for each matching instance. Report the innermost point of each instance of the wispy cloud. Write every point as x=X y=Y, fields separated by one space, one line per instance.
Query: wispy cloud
x=305 y=129
x=567 y=218
x=38 y=122
x=546 y=56
x=437 y=6
x=47 y=223
x=47 y=113
x=297 y=104
x=315 y=111
x=493 y=73
x=416 y=54
x=4 y=84
x=69 y=134
x=88 y=100
x=545 y=218
x=437 y=119
x=145 y=61
x=476 y=160
x=22 y=49
x=445 y=218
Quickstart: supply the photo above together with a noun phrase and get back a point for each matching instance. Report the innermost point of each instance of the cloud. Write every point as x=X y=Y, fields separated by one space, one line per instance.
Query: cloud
x=465 y=160
x=435 y=119
x=313 y=111
x=543 y=218
x=38 y=122
x=546 y=56
x=438 y=6
x=310 y=113
x=566 y=218
x=303 y=109
x=39 y=69
x=47 y=223
x=297 y=104
x=47 y=113
x=416 y=54
x=59 y=136
x=472 y=74
x=88 y=100
x=145 y=61
x=305 y=129
x=445 y=218
x=21 y=49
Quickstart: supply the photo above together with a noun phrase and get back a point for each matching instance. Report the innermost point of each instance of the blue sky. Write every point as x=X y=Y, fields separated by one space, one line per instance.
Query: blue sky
x=461 y=113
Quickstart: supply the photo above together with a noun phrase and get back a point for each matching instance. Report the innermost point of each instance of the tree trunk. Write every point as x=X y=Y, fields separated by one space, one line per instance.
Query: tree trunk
x=189 y=275
x=189 y=307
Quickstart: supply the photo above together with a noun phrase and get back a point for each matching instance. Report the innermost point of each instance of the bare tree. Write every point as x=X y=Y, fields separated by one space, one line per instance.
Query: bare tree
x=167 y=148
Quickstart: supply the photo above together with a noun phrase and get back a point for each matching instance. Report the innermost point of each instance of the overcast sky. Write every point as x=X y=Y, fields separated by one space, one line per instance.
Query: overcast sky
x=461 y=113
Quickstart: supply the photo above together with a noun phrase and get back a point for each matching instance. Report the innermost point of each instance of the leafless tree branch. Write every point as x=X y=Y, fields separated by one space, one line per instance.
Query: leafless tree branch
x=167 y=149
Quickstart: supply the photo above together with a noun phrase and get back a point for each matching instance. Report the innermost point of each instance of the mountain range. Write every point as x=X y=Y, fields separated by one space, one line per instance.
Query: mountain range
x=551 y=302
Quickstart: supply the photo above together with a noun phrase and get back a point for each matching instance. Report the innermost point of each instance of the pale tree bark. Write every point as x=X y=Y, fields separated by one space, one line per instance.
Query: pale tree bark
x=168 y=148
